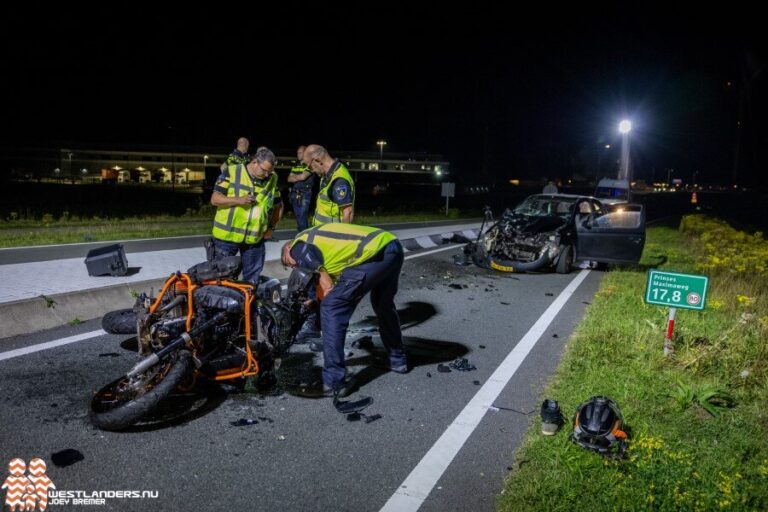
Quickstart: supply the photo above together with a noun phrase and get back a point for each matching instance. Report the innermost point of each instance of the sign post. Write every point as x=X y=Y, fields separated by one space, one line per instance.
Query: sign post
x=448 y=190
x=675 y=290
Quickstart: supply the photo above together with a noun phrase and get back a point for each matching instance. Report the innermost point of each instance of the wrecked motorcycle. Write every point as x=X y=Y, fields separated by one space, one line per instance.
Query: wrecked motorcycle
x=203 y=323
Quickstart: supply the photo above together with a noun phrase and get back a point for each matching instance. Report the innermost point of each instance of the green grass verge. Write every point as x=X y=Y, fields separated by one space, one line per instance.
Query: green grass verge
x=22 y=233
x=680 y=456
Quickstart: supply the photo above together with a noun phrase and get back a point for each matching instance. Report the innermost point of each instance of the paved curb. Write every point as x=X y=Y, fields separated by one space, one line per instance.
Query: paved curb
x=44 y=312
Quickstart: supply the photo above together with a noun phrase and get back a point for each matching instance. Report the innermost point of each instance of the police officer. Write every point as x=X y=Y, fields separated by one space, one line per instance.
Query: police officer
x=239 y=155
x=336 y=198
x=301 y=193
x=335 y=203
x=248 y=209
x=351 y=260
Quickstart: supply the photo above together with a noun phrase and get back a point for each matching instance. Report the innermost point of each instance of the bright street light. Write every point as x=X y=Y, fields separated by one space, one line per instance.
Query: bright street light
x=625 y=126
x=381 y=144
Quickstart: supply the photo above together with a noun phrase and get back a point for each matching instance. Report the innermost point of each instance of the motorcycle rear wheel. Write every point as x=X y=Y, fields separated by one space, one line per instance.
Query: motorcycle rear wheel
x=124 y=402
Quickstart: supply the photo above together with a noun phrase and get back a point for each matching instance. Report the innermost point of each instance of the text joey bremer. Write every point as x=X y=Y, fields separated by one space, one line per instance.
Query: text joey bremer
x=80 y=497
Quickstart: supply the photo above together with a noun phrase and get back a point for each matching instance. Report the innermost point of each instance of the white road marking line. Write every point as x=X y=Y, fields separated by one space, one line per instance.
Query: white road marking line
x=50 y=344
x=431 y=252
x=416 y=487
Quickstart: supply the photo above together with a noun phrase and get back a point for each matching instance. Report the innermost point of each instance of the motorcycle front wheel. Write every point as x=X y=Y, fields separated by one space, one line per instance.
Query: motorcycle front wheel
x=122 y=321
x=125 y=401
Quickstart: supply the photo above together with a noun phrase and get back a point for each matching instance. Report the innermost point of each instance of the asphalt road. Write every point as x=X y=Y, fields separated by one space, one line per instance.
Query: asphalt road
x=302 y=454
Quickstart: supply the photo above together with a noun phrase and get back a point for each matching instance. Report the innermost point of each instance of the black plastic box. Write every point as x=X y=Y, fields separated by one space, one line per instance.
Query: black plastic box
x=107 y=260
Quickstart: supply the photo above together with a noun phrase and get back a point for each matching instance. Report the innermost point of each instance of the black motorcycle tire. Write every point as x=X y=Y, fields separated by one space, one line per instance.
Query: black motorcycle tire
x=131 y=411
x=122 y=321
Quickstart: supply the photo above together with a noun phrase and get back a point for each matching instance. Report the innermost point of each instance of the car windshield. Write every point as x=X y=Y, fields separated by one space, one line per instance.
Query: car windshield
x=542 y=206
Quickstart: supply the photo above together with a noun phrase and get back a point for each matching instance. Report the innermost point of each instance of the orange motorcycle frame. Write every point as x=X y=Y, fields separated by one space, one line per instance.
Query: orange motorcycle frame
x=183 y=283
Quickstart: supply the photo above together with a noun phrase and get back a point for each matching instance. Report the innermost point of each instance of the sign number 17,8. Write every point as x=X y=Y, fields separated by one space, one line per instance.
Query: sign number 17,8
x=661 y=294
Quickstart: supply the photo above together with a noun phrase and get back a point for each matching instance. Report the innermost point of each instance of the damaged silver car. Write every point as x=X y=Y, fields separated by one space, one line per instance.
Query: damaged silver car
x=557 y=231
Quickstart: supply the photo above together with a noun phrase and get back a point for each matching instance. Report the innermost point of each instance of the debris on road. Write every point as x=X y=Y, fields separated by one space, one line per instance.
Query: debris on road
x=443 y=368
x=364 y=342
x=356 y=416
x=66 y=457
x=244 y=421
x=462 y=364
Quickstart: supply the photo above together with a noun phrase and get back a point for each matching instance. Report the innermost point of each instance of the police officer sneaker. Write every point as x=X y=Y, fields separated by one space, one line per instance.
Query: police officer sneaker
x=316 y=345
x=397 y=368
x=551 y=417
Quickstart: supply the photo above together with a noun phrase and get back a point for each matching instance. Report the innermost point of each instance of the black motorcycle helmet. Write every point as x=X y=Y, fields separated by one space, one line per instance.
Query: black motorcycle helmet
x=597 y=426
x=300 y=281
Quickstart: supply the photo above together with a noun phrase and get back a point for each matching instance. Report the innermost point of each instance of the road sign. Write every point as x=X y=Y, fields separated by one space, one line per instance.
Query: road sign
x=676 y=290
x=448 y=190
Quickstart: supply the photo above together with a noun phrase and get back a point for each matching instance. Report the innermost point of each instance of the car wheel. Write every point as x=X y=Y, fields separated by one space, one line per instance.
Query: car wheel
x=565 y=261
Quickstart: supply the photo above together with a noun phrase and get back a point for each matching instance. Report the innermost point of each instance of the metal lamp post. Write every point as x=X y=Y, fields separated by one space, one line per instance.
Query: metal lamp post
x=381 y=144
x=624 y=128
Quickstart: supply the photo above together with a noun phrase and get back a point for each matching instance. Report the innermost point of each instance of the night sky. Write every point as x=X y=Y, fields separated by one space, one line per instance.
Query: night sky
x=500 y=95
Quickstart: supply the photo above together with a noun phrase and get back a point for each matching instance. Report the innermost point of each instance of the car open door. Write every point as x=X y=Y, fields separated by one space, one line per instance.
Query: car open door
x=612 y=236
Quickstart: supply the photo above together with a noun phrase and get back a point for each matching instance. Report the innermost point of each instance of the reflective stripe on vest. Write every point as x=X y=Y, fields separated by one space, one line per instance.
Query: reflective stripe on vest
x=239 y=224
x=345 y=245
x=300 y=169
x=327 y=211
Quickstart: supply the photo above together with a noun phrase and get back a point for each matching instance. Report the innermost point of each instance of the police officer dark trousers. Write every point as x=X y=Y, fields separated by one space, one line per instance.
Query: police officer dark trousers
x=302 y=179
x=358 y=259
x=380 y=276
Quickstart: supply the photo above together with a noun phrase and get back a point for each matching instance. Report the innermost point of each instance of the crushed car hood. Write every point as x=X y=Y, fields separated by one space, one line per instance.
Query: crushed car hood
x=532 y=225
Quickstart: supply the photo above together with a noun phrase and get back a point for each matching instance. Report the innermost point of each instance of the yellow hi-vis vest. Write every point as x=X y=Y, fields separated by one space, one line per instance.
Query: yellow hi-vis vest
x=241 y=224
x=327 y=211
x=345 y=245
